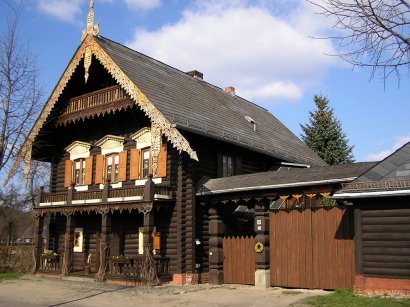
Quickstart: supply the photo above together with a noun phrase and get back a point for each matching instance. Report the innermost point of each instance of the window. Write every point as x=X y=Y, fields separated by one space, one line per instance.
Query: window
x=79 y=166
x=112 y=166
x=228 y=168
x=79 y=172
x=145 y=162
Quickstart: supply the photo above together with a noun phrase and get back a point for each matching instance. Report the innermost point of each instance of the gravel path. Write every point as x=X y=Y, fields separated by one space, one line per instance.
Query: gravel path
x=35 y=291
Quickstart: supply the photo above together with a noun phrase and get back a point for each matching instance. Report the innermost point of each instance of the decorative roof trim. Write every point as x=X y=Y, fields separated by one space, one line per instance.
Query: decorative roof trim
x=25 y=151
x=171 y=133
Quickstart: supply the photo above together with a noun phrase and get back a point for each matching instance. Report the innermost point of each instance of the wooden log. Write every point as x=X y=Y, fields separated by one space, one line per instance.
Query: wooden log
x=405 y=244
x=387 y=272
x=386 y=213
x=397 y=265
x=389 y=220
x=386 y=236
x=386 y=251
x=386 y=258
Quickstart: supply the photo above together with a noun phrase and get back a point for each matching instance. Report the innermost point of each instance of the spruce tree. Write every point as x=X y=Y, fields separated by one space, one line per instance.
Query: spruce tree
x=324 y=134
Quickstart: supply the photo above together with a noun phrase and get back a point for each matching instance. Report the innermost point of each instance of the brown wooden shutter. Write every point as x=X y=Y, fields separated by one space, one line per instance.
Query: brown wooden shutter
x=99 y=169
x=122 y=166
x=88 y=171
x=134 y=164
x=162 y=161
x=68 y=175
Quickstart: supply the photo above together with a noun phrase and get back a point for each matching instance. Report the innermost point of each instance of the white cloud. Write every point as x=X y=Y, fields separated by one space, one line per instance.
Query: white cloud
x=399 y=142
x=264 y=57
x=144 y=5
x=65 y=10
x=70 y=10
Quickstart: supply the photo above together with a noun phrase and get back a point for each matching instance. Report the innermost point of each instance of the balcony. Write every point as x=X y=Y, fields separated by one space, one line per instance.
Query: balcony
x=95 y=103
x=106 y=196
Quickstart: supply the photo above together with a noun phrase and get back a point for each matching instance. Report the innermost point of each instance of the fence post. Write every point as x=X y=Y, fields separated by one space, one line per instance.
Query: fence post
x=262 y=272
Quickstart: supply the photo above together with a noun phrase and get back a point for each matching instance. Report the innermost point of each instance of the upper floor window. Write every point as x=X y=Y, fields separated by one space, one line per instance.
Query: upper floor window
x=146 y=162
x=78 y=169
x=228 y=164
x=228 y=167
x=112 y=163
x=112 y=166
x=141 y=157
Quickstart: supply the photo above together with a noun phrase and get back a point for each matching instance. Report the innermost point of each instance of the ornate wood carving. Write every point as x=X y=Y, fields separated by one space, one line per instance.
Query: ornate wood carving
x=91 y=28
x=142 y=207
x=87 y=62
x=156 y=140
x=171 y=133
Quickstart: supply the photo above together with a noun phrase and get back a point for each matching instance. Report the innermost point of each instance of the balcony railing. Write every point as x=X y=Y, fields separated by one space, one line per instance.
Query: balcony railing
x=95 y=99
x=132 y=267
x=108 y=195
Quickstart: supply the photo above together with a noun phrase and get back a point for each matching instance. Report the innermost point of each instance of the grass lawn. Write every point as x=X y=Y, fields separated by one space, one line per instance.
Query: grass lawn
x=346 y=297
x=7 y=276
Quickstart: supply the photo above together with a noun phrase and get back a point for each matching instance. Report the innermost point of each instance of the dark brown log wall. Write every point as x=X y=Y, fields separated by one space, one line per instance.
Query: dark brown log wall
x=385 y=246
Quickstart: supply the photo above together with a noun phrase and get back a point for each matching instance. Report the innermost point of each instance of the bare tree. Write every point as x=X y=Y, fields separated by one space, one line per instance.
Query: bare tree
x=19 y=90
x=375 y=33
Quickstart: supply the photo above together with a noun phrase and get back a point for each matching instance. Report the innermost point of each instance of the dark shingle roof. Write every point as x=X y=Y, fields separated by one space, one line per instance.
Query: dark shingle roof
x=197 y=106
x=285 y=177
x=394 y=167
x=390 y=174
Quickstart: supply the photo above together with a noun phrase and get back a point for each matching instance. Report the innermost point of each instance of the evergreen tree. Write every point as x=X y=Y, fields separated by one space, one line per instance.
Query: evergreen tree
x=324 y=134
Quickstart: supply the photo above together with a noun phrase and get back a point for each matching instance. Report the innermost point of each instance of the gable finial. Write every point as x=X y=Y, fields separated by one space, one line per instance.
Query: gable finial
x=91 y=28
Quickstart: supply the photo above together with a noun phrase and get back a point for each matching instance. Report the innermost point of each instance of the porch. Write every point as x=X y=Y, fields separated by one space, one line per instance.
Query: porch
x=120 y=268
x=113 y=239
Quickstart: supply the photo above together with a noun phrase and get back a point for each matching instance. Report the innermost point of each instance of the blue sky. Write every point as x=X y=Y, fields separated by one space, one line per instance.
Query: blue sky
x=263 y=48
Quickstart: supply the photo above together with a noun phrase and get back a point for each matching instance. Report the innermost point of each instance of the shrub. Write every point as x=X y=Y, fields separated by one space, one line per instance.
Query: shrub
x=16 y=259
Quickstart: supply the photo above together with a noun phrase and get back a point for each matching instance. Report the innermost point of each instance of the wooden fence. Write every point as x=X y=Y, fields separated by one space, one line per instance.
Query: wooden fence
x=239 y=260
x=312 y=248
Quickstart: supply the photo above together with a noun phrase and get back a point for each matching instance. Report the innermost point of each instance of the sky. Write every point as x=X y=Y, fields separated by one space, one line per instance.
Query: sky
x=267 y=49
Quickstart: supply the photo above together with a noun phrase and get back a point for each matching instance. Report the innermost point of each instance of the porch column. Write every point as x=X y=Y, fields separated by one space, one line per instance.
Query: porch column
x=68 y=245
x=262 y=273
x=104 y=251
x=38 y=241
x=149 y=191
x=216 y=256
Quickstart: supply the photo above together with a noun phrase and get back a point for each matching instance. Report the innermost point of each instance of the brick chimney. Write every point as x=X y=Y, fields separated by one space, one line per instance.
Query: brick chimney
x=195 y=74
x=230 y=89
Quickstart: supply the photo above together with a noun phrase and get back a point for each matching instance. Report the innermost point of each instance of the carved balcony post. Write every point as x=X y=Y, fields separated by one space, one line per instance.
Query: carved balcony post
x=105 y=191
x=149 y=189
x=70 y=194
x=262 y=273
x=216 y=257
